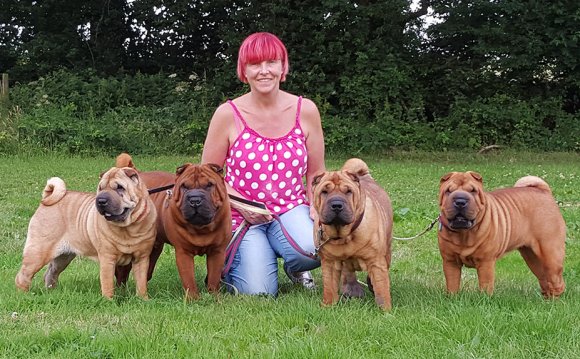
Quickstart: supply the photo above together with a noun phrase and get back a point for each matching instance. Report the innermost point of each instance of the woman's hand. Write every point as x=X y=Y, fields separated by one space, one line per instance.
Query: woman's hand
x=251 y=216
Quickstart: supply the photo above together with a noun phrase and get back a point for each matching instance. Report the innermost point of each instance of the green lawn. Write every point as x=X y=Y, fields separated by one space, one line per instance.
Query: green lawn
x=73 y=321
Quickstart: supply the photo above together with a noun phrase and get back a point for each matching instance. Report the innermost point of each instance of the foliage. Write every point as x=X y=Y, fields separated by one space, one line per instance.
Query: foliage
x=506 y=121
x=84 y=114
x=527 y=49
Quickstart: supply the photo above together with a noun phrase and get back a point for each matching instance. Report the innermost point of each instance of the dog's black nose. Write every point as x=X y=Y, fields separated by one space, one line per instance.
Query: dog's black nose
x=194 y=201
x=337 y=206
x=460 y=202
x=102 y=201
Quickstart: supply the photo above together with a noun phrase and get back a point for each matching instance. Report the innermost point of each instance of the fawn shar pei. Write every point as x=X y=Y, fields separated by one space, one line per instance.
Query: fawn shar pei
x=354 y=231
x=115 y=226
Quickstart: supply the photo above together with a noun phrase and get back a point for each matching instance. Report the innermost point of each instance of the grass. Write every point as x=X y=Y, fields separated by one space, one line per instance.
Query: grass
x=74 y=321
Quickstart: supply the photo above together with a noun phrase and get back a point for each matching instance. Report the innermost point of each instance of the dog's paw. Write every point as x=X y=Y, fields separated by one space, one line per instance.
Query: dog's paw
x=353 y=290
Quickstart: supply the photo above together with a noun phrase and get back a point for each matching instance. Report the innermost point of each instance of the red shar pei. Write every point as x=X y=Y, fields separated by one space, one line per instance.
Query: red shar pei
x=478 y=227
x=194 y=217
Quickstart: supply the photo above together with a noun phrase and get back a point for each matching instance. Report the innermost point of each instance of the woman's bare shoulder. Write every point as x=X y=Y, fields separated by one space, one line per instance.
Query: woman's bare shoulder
x=309 y=110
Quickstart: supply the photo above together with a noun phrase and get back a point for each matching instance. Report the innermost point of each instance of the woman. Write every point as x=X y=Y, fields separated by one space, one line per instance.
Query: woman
x=269 y=140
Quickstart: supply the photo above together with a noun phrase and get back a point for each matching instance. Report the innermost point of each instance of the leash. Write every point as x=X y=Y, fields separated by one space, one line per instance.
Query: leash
x=160 y=189
x=429 y=227
x=319 y=233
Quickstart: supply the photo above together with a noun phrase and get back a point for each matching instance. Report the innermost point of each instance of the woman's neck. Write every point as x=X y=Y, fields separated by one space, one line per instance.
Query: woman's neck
x=267 y=100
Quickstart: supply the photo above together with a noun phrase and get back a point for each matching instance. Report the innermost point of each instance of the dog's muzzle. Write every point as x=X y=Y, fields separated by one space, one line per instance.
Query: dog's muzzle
x=197 y=208
x=107 y=207
x=337 y=212
x=460 y=219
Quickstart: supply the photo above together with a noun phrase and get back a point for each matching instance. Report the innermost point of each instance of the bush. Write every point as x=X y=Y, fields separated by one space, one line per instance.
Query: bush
x=82 y=114
x=160 y=114
x=504 y=120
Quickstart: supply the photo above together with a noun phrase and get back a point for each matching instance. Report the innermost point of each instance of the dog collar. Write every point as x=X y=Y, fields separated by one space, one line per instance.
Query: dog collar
x=320 y=233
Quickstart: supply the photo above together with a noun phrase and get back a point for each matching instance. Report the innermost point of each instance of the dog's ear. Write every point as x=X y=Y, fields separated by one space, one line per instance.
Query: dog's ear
x=216 y=168
x=446 y=177
x=476 y=175
x=317 y=178
x=353 y=176
x=132 y=174
x=182 y=168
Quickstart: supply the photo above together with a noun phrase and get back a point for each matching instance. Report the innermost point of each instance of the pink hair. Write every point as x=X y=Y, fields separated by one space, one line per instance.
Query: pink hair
x=262 y=46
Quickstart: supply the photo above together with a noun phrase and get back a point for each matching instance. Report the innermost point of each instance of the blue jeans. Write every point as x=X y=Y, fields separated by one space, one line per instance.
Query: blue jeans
x=254 y=269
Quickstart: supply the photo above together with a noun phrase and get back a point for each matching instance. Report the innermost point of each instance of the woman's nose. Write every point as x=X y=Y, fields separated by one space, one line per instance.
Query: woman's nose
x=264 y=67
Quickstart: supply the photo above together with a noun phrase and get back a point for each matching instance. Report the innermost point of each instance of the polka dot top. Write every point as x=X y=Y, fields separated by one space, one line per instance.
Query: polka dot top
x=268 y=170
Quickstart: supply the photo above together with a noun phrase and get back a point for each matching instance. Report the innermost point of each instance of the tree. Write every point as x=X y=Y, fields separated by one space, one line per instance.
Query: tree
x=528 y=49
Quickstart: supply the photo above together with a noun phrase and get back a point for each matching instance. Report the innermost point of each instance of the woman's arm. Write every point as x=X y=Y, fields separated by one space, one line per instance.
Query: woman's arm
x=312 y=125
x=217 y=140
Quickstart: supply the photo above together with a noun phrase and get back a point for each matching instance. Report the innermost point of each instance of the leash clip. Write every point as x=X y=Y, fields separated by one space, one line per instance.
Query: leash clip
x=169 y=194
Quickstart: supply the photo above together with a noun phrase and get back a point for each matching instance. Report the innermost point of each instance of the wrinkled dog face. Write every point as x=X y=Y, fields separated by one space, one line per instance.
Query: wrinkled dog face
x=198 y=191
x=336 y=197
x=118 y=194
x=461 y=198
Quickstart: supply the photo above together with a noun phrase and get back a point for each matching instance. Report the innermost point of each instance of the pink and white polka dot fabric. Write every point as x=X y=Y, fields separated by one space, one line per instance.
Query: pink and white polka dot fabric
x=268 y=170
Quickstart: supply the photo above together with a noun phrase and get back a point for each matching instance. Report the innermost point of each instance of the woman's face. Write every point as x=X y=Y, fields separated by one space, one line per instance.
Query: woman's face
x=264 y=76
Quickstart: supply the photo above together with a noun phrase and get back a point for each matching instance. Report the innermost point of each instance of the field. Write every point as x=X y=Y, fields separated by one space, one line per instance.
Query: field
x=73 y=321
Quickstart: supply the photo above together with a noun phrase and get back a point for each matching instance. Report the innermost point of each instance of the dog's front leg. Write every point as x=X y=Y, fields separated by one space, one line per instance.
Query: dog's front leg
x=107 y=265
x=140 y=268
x=486 y=275
x=330 y=282
x=215 y=263
x=382 y=286
x=452 y=271
x=186 y=269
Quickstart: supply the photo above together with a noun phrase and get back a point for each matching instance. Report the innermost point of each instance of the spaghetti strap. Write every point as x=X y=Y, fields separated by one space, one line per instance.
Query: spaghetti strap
x=237 y=117
x=298 y=107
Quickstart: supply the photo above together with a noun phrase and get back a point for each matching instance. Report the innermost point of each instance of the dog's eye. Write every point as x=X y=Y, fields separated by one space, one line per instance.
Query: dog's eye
x=324 y=192
x=210 y=185
x=348 y=191
x=447 y=191
x=120 y=189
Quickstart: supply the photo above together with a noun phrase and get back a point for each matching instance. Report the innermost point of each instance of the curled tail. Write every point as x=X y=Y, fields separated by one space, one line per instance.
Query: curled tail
x=124 y=160
x=533 y=181
x=53 y=192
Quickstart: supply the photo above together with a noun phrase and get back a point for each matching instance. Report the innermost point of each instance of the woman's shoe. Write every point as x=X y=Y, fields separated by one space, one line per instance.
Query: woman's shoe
x=305 y=278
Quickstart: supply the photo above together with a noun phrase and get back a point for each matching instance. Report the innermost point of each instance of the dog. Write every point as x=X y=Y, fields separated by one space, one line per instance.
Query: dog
x=194 y=217
x=354 y=231
x=115 y=226
x=478 y=227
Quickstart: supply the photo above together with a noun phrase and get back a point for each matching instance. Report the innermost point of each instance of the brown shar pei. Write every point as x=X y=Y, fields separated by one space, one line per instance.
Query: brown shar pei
x=115 y=226
x=194 y=217
x=354 y=232
x=478 y=227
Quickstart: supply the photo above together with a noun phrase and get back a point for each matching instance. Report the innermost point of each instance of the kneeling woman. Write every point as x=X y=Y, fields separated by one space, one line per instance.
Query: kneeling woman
x=269 y=141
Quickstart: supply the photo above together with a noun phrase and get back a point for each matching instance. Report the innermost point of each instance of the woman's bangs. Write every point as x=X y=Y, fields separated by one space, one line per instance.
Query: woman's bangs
x=264 y=52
